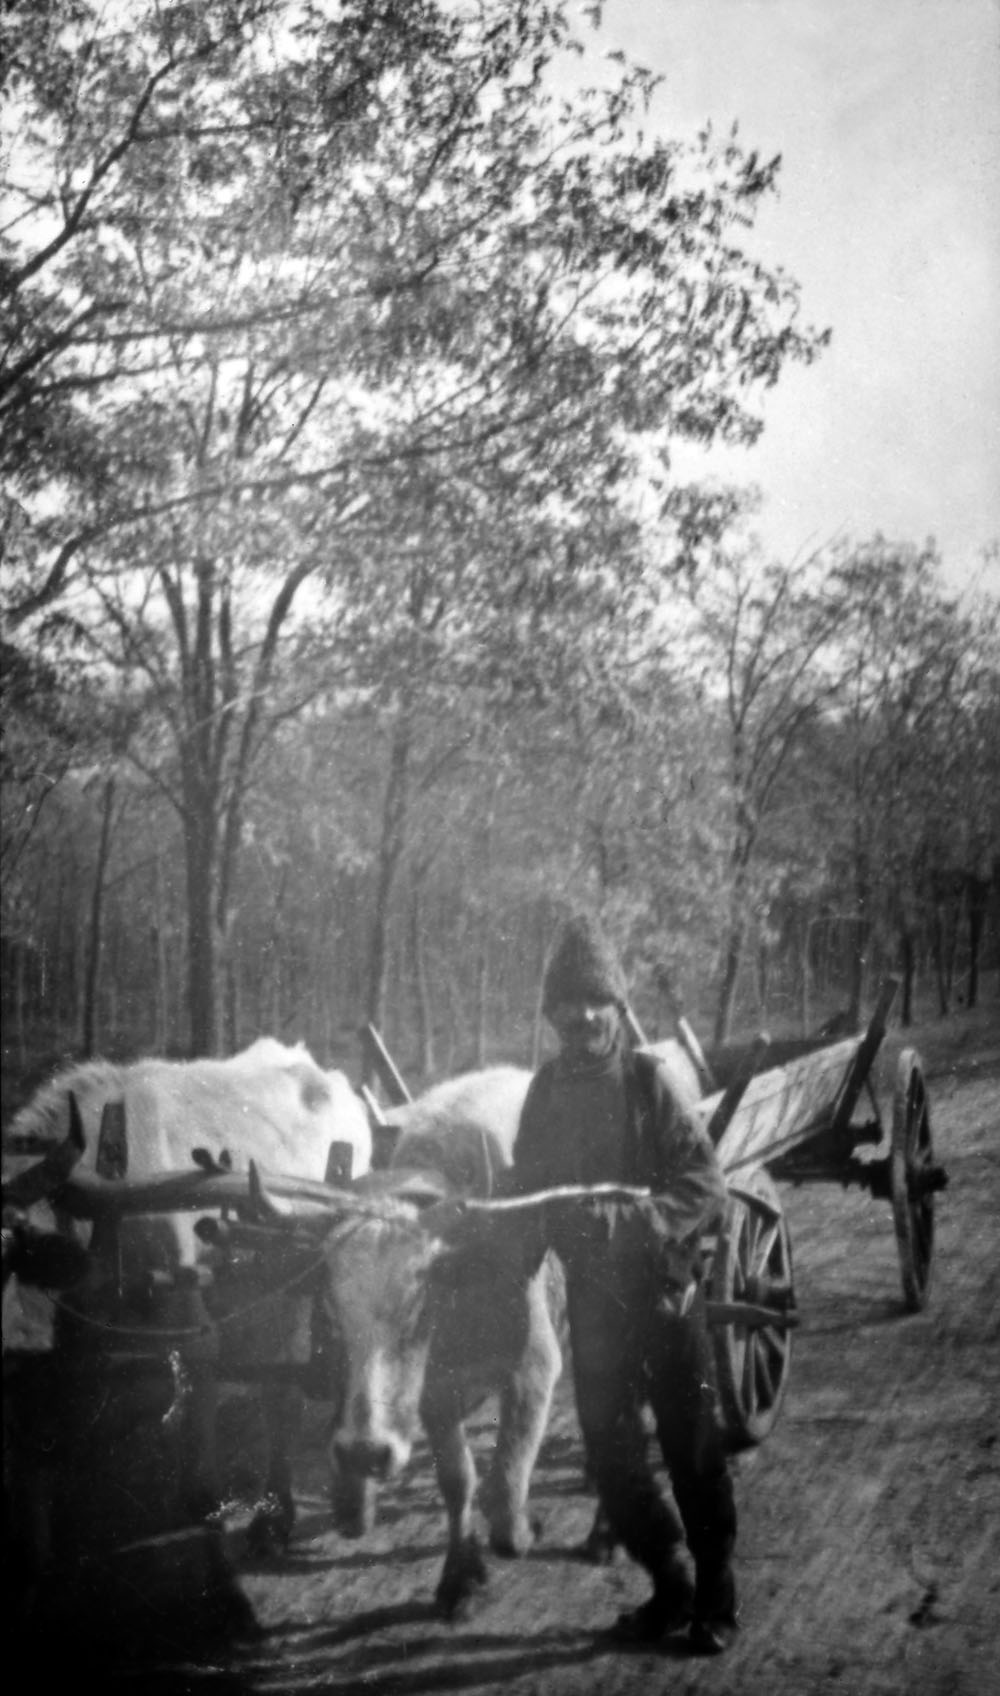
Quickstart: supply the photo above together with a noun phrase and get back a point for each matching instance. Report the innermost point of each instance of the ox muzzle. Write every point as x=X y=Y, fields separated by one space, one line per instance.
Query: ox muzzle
x=378 y=1458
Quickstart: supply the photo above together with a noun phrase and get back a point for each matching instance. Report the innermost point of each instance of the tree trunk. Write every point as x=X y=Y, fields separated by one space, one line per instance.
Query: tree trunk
x=538 y=1022
x=951 y=954
x=857 y=967
x=453 y=1024
x=58 y=964
x=88 y=1032
x=860 y=935
x=805 y=975
x=230 y=1020
x=733 y=943
x=421 y=989
x=762 y=961
x=979 y=900
x=161 y=1039
x=19 y=998
x=201 y=951
x=907 y=961
x=938 y=955
x=482 y=991
x=395 y=818
x=732 y=959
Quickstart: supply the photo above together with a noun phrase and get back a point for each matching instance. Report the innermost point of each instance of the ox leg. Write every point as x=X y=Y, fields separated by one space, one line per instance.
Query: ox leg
x=281 y=1405
x=600 y=1543
x=199 y=1460
x=525 y=1401
x=353 y=1500
x=33 y=1404
x=464 y=1571
x=194 y=1415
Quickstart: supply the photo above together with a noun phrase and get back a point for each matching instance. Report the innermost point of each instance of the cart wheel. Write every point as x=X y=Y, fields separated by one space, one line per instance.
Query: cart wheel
x=753 y=1262
x=913 y=1179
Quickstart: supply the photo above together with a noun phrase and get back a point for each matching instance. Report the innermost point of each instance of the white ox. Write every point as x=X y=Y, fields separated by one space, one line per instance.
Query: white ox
x=426 y=1328
x=270 y=1104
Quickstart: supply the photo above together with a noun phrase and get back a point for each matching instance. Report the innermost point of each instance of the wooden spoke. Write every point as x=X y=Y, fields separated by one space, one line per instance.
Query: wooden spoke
x=753 y=1365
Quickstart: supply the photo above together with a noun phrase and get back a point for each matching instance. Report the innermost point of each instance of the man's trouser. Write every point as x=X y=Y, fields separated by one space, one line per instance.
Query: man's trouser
x=624 y=1358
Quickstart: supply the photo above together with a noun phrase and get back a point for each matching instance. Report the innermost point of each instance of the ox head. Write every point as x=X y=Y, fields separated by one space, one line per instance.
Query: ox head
x=405 y=1272
x=418 y=1297
x=377 y=1300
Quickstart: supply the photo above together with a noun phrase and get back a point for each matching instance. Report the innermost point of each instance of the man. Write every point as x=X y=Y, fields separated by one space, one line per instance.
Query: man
x=601 y=1113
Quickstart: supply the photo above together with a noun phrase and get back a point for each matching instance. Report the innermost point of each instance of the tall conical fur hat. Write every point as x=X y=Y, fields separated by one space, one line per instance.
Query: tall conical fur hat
x=583 y=967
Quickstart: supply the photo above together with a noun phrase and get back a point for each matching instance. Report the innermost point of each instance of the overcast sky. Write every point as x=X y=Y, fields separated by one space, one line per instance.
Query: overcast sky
x=887 y=115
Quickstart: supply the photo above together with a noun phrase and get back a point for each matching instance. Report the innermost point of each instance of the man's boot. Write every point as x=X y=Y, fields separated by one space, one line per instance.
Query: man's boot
x=668 y=1609
x=715 y=1612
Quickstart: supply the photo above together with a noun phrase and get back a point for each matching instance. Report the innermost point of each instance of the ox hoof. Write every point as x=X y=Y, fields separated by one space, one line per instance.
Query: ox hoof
x=598 y=1547
x=600 y=1543
x=353 y=1502
x=271 y=1527
x=200 y=1505
x=463 y=1577
x=510 y=1542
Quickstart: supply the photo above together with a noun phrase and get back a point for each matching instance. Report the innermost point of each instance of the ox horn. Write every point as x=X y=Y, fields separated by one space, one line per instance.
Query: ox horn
x=297 y=1204
x=274 y=1210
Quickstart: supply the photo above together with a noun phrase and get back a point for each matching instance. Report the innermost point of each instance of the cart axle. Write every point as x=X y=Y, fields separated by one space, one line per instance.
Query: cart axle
x=751 y=1316
x=926 y=1179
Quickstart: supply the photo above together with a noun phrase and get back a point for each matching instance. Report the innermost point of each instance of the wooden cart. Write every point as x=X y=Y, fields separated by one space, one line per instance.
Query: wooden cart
x=806 y=1112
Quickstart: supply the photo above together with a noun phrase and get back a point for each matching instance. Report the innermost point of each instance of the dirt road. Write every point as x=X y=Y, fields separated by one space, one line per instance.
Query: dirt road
x=869 y=1549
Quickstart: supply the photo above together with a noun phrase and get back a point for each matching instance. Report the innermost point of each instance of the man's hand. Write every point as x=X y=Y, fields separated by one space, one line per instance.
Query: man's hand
x=645 y=1230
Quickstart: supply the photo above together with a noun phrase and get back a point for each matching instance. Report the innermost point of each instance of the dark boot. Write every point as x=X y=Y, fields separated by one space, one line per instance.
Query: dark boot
x=668 y=1609
x=715 y=1612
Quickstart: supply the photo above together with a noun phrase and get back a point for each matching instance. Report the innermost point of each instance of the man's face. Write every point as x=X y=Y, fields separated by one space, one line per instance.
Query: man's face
x=586 y=1029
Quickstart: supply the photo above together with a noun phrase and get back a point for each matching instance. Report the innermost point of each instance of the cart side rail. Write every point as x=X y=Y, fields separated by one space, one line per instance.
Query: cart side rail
x=783 y=1107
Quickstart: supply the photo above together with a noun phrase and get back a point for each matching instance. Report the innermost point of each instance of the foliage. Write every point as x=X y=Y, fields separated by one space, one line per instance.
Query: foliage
x=333 y=345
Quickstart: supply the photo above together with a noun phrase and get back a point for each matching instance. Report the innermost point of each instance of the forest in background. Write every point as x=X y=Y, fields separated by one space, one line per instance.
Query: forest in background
x=354 y=627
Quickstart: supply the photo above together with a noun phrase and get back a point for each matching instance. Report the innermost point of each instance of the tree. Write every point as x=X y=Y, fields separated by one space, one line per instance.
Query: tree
x=903 y=647
x=761 y=636
x=276 y=271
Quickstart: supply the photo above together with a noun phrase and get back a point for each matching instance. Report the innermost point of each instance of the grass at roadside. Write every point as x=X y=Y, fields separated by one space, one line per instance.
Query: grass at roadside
x=963 y=1044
